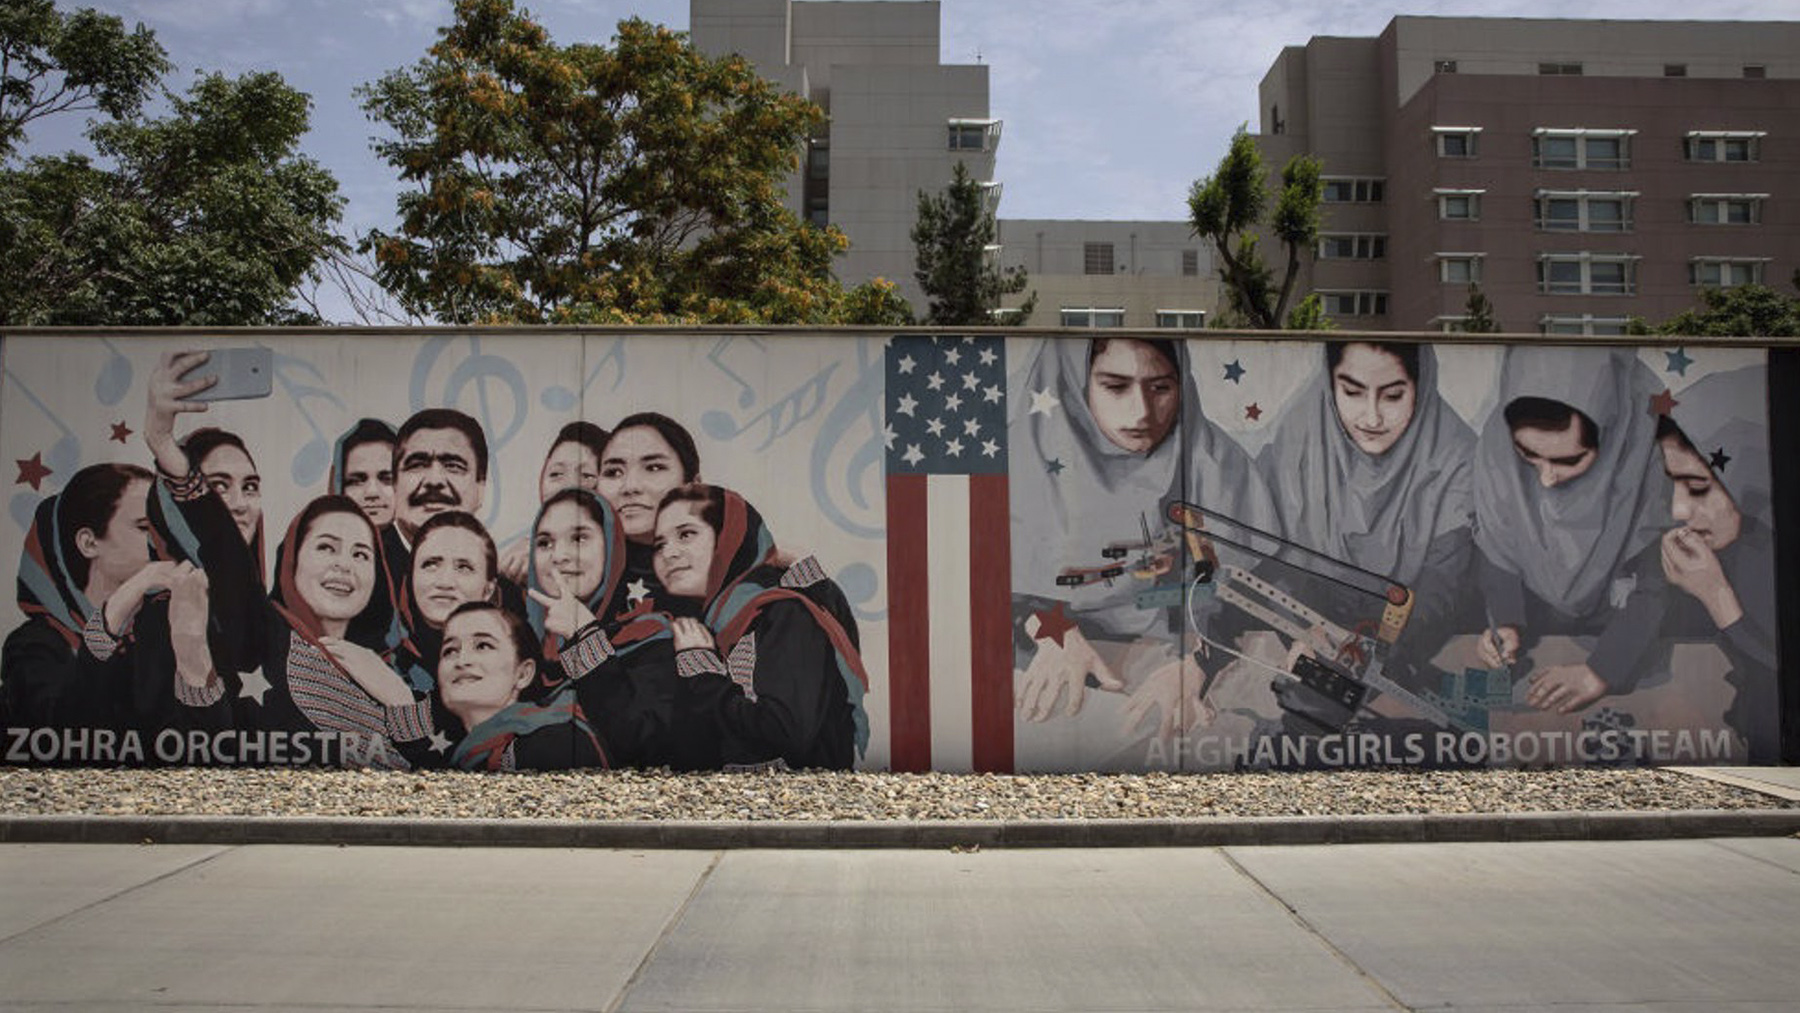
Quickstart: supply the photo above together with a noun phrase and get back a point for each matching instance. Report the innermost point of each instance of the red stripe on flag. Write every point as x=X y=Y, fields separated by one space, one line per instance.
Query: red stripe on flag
x=909 y=626
x=990 y=622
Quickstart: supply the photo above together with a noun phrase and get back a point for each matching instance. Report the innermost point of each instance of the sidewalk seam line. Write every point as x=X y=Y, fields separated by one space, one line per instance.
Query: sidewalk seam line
x=643 y=965
x=1330 y=947
x=178 y=870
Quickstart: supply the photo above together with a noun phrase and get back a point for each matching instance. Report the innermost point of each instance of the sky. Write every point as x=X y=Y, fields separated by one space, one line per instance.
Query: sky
x=1112 y=108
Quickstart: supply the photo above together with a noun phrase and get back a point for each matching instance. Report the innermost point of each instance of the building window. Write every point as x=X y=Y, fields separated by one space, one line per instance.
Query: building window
x=1755 y=70
x=974 y=135
x=1674 y=70
x=1586 y=325
x=1444 y=66
x=1724 y=145
x=1560 y=69
x=1354 y=304
x=1587 y=274
x=1725 y=272
x=1352 y=246
x=818 y=161
x=1459 y=205
x=1096 y=258
x=1354 y=190
x=1093 y=316
x=1459 y=268
x=818 y=211
x=1581 y=148
x=1725 y=208
x=1189 y=319
x=1583 y=210
x=1456 y=142
x=1190 y=263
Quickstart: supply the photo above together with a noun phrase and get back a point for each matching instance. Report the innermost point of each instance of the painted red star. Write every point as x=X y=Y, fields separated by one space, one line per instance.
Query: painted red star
x=32 y=471
x=1253 y=412
x=121 y=432
x=1662 y=404
x=1053 y=624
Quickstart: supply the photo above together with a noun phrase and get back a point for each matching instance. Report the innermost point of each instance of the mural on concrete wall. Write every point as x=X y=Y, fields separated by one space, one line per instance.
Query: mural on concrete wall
x=711 y=551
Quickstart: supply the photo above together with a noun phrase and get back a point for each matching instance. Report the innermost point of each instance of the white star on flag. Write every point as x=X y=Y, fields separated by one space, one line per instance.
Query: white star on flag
x=954 y=448
x=953 y=357
x=935 y=427
x=971 y=427
x=989 y=448
x=906 y=404
x=906 y=364
x=912 y=455
x=934 y=382
x=953 y=402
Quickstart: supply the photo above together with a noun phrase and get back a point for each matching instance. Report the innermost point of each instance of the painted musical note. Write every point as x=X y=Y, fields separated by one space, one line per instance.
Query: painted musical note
x=314 y=457
x=746 y=390
x=847 y=475
x=560 y=399
x=65 y=454
x=114 y=378
x=781 y=416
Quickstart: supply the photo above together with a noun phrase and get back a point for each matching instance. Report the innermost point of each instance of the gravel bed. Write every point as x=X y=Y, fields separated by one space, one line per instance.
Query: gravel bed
x=637 y=795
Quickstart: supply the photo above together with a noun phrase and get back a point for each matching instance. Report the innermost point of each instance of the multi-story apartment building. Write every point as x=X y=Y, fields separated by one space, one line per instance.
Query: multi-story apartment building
x=1582 y=172
x=1112 y=273
x=898 y=119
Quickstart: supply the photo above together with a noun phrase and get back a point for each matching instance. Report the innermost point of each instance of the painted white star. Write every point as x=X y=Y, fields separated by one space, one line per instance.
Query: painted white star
x=971 y=427
x=255 y=685
x=906 y=404
x=906 y=364
x=992 y=395
x=935 y=381
x=988 y=356
x=637 y=591
x=968 y=339
x=953 y=448
x=935 y=427
x=953 y=356
x=971 y=381
x=912 y=455
x=887 y=436
x=1044 y=402
x=953 y=402
x=439 y=741
x=989 y=448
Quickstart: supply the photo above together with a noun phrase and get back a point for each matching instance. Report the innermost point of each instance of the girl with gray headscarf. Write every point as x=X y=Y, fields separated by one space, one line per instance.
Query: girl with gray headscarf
x=1569 y=495
x=1113 y=432
x=1369 y=466
x=1714 y=445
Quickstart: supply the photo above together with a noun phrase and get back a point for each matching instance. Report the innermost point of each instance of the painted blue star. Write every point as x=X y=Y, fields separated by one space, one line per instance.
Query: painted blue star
x=1234 y=371
x=1678 y=361
x=1719 y=460
x=1054 y=466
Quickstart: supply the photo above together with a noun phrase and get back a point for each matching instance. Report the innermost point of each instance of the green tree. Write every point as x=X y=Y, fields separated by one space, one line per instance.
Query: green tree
x=208 y=215
x=1478 y=313
x=83 y=61
x=952 y=239
x=1225 y=209
x=636 y=182
x=1742 y=311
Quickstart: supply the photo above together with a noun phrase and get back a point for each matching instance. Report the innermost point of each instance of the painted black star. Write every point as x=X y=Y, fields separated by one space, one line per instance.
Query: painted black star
x=1054 y=466
x=1719 y=460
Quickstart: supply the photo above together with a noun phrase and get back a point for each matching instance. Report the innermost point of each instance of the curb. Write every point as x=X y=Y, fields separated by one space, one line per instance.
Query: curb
x=716 y=835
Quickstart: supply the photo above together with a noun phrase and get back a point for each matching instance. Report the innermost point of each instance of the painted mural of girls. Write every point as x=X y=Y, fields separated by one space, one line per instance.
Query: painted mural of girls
x=83 y=576
x=489 y=660
x=768 y=677
x=618 y=660
x=1115 y=432
x=362 y=468
x=325 y=578
x=1721 y=554
x=573 y=462
x=1569 y=494
x=453 y=563
x=647 y=455
x=1369 y=466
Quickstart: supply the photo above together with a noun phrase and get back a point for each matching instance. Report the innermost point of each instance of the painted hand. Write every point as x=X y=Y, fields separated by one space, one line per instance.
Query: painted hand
x=1060 y=673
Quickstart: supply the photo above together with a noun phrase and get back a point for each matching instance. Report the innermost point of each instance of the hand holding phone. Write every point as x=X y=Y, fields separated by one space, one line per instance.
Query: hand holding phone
x=238 y=373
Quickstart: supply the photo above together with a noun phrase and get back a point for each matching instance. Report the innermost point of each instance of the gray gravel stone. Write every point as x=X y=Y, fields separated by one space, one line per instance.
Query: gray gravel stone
x=653 y=796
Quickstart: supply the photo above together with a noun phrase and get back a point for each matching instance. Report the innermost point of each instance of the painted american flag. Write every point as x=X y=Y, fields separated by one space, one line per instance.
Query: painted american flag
x=950 y=649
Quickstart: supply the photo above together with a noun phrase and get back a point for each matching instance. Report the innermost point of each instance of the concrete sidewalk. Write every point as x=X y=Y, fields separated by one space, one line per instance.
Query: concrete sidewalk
x=1670 y=925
